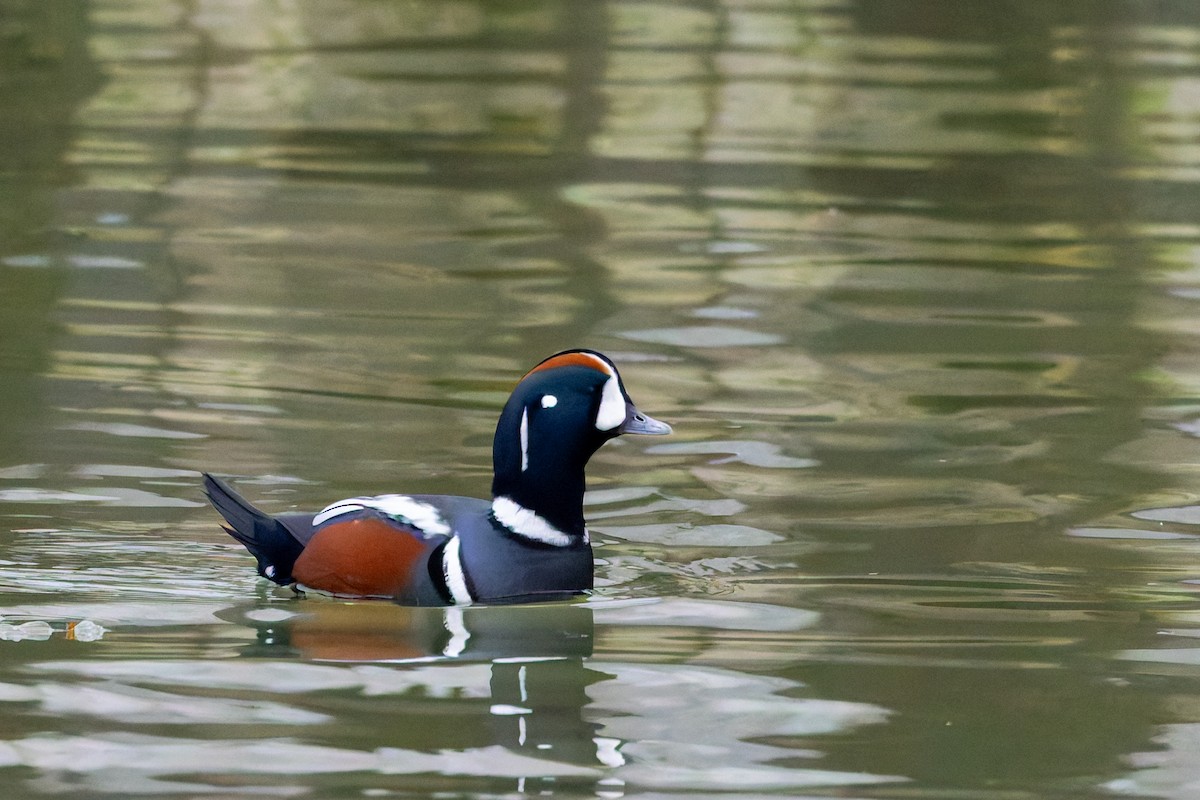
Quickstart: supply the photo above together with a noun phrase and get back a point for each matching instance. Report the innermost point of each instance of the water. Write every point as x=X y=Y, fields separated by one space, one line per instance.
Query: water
x=914 y=281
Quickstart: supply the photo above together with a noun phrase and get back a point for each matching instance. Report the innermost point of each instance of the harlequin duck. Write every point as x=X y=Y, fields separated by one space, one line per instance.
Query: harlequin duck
x=528 y=543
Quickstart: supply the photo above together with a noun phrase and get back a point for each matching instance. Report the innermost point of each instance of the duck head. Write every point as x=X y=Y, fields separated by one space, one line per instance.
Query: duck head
x=560 y=413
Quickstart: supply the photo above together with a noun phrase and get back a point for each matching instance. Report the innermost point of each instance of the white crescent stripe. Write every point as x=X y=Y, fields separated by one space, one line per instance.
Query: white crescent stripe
x=452 y=568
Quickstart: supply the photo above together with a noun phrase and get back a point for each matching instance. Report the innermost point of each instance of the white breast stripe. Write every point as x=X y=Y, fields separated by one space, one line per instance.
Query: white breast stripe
x=612 y=406
x=524 y=439
x=452 y=568
x=526 y=523
x=401 y=506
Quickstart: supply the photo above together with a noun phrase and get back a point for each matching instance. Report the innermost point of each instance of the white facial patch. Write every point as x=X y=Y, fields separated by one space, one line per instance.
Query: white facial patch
x=524 y=439
x=399 y=506
x=528 y=524
x=549 y=401
x=612 y=405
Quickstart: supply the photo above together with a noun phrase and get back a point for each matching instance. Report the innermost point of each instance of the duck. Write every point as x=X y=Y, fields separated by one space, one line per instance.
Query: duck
x=529 y=542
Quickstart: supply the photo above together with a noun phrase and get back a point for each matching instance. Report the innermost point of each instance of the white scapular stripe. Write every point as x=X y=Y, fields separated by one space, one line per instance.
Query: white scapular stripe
x=414 y=512
x=524 y=439
x=528 y=524
x=452 y=568
x=612 y=406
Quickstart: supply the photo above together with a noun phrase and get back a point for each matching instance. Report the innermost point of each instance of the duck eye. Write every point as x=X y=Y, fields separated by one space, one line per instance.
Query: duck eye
x=549 y=401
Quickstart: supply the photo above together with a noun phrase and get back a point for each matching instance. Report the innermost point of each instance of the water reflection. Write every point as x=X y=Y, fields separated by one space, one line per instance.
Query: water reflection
x=916 y=279
x=509 y=692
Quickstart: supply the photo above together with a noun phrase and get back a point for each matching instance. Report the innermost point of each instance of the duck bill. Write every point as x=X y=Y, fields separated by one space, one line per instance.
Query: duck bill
x=637 y=422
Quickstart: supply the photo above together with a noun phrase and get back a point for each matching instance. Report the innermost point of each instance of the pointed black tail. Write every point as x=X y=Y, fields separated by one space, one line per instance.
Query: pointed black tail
x=272 y=544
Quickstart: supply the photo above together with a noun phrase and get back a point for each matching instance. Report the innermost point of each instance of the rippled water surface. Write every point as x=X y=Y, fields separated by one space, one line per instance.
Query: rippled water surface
x=917 y=282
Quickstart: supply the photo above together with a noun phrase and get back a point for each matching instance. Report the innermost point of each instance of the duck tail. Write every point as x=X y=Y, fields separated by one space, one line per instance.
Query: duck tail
x=267 y=539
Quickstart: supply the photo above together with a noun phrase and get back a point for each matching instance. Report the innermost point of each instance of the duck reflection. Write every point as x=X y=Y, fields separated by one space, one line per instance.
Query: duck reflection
x=537 y=682
x=371 y=631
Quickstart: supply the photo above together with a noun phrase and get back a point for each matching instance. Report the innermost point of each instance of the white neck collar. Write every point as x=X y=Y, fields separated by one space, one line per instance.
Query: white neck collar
x=529 y=525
